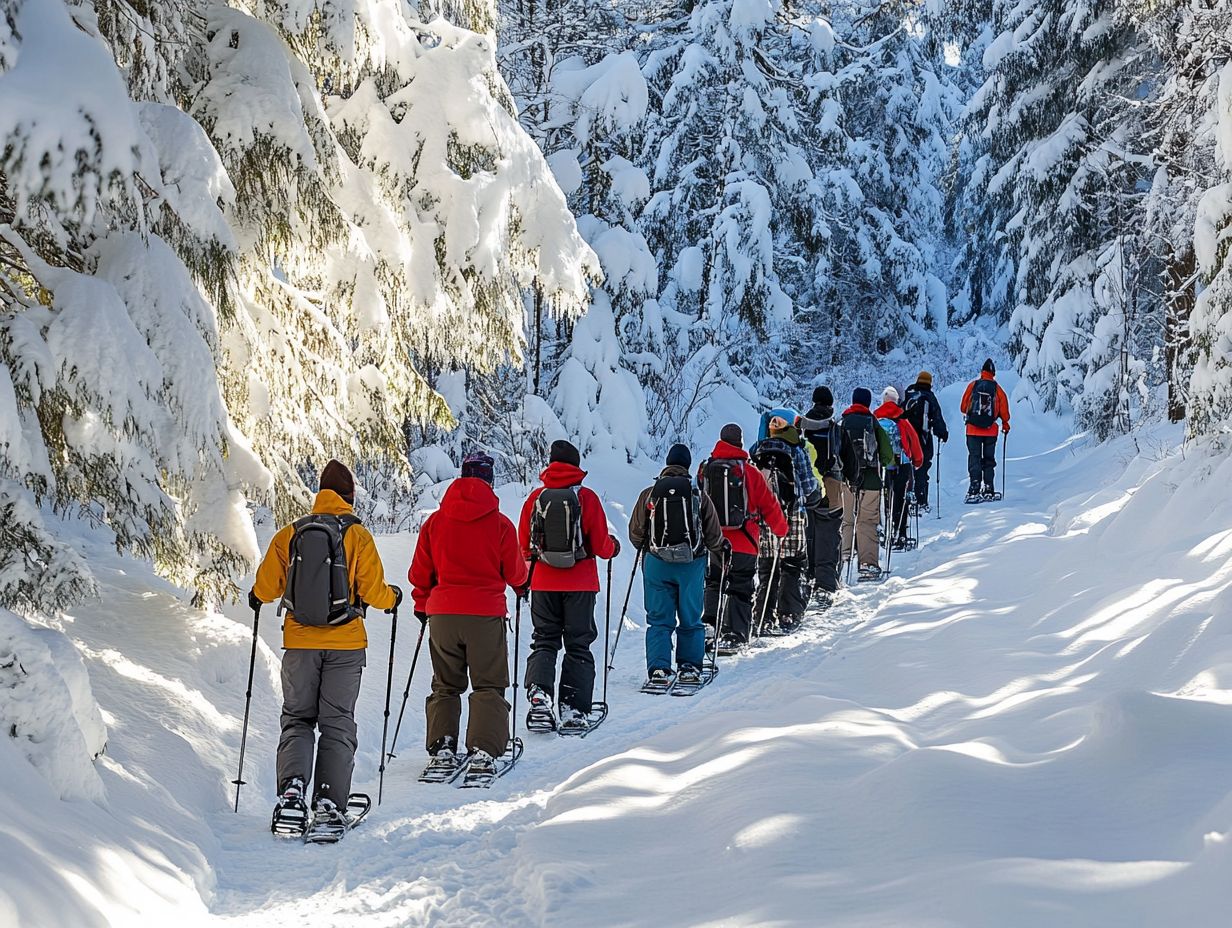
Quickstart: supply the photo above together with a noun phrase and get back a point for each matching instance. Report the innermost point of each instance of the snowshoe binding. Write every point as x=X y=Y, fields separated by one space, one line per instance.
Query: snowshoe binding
x=990 y=495
x=577 y=724
x=729 y=645
x=291 y=813
x=482 y=769
x=974 y=495
x=540 y=718
x=690 y=679
x=870 y=573
x=659 y=682
x=790 y=623
x=446 y=763
x=823 y=599
x=330 y=824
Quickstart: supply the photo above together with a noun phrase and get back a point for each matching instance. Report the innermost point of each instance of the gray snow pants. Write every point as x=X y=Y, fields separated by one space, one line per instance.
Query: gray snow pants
x=319 y=690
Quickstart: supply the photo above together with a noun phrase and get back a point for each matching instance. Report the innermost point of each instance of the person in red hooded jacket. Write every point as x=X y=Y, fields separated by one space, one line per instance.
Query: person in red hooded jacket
x=563 y=596
x=983 y=403
x=760 y=506
x=900 y=475
x=466 y=556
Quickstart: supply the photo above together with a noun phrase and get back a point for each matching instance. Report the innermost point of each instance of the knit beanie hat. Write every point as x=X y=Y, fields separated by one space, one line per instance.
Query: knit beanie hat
x=890 y=394
x=989 y=367
x=679 y=456
x=822 y=396
x=564 y=452
x=925 y=378
x=478 y=464
x=337 y=477
x=732 y=434
x=862 y=396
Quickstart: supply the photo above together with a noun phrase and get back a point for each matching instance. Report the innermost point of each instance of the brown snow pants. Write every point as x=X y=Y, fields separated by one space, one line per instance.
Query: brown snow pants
x=473 y=645
x=865 y=531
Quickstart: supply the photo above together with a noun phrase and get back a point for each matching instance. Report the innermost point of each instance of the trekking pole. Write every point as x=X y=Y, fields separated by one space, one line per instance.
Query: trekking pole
x=720 y=608
x=407 y=692
x=890 y=530
x=937 y=482
x=252 y=664
x=611 y=660
x=389 y=687
x=517 y=650
x=1005 y=438
x=765 y=602
x=607 y=629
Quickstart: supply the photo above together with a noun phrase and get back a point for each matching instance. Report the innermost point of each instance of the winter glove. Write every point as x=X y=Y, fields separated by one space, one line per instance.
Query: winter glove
x=253 y=603
x=1005 y=429
x=397 y=597
x=726 y=548
x=616 y=545
x=524 y=592
x=423 y=617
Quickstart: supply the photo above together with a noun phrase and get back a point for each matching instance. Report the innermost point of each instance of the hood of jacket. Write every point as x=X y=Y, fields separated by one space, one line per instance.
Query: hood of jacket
x=329 y=503
x=726 y=451
x=888 y=410
x=791 y=435
x=820 y=412
x=857 y=409
x=469 y=499
x=675 y=470
x=558 y=475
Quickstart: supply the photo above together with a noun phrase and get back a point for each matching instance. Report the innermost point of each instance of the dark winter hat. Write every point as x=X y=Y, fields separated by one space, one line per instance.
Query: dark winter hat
x=989 y=367
x=862 y=396
x=925 y=379
x=337 y=476
x=822 y=396
x=679 y=456
x=564 y=452
x=478 y=464
x=732 y=434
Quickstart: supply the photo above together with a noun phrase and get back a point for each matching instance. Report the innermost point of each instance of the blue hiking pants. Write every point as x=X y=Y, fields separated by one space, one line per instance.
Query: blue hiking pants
x=673 y=592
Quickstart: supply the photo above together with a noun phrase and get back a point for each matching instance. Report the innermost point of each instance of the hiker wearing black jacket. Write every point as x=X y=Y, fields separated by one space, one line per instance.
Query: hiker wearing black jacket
x=833 y=452
x=922 y=409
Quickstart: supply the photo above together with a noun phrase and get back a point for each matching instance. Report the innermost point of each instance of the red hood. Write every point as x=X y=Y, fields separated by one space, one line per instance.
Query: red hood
x=729 y=451
x=557 y=476
x=469 y=499
x=984 y=375
x=888 y=410
x=858 y=409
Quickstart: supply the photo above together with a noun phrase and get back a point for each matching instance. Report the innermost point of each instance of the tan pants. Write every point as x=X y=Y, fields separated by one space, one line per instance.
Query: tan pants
x=866 y=531
x=473 y=645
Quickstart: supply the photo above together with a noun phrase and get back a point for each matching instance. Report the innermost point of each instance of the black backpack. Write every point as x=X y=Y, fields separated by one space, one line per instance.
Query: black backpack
x=827 y=443
x=556 y=528
x=318 y=590
x=982 y=412
x=674 y=532
x=773 y=459
x=862 y=434
x=723 y=481
x=918 y=411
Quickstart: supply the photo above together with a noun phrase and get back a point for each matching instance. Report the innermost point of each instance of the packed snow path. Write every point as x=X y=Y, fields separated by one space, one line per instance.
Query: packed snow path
x=1029 y=724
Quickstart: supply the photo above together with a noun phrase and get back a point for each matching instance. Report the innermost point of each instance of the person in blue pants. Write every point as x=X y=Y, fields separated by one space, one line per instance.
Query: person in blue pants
x=673 y=524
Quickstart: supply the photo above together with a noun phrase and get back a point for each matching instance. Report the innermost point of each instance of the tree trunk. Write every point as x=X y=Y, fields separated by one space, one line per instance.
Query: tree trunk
x=1179 y=302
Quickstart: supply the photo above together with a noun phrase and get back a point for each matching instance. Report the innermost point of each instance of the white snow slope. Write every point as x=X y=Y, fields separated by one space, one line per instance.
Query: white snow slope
x=1030 y=724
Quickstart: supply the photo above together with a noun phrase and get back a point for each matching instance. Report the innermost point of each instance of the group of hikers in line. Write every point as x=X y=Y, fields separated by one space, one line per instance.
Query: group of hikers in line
x=733 y=548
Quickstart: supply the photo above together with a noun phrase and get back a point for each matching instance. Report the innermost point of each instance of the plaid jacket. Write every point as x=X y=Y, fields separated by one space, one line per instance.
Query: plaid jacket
x=795 y=541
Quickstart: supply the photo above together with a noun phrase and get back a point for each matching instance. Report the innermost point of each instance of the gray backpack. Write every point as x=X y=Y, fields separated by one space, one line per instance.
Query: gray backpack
x=318 y=591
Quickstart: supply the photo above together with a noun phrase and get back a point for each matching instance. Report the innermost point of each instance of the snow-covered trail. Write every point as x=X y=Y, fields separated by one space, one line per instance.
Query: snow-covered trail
x=1029 y=724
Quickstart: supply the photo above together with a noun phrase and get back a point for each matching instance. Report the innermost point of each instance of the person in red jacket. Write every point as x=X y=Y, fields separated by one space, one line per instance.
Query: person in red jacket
x=466 y=556
x=760 y=506
x=899 y=477
x=566 y=526
x=983 y=403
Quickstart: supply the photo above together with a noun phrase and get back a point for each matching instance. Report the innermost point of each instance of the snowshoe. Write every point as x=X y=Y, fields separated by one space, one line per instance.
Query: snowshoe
x=575 y=724
x=445 y=764
x=869 y=574
x=729 y=645
x=901 y=544
x=690 y=679
x=823 y=599
x=790 y=623
x=330 y=824
x=990 y=495
x=482 y=769
x=540 y=718
x=974 y=495
x=659 y=682
x=291 y=813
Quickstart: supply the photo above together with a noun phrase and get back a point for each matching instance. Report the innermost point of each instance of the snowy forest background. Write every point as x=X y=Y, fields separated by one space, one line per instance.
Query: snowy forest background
x=239 y=238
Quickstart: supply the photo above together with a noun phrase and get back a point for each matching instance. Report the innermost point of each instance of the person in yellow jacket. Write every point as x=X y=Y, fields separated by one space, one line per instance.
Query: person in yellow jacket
x=322 y=665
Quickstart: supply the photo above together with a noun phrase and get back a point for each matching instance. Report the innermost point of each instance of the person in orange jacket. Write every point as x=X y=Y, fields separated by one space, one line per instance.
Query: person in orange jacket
x=900 y=476
x=322 y=664
x=983 y=403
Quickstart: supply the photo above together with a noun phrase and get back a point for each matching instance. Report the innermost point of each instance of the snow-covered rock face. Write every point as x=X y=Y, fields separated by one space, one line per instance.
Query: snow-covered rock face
x=48 y=716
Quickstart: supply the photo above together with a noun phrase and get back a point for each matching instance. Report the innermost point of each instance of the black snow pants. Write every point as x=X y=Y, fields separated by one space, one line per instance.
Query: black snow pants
x=568 y=619
x=982 y=459
x=740 y=575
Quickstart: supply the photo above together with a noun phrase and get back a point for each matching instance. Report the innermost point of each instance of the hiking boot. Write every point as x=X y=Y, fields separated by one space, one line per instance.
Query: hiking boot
x=870 y=571
x=482 y=764
x=900 y=543
x=538 y=697
x=292 y=793
x=572 y=719
x=789 y=623
x=689 y=675
x=325 y=812
x=730 y=644
x=659 y=675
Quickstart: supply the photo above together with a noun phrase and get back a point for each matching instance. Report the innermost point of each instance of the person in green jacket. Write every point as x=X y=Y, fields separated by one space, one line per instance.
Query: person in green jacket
x=862 y=482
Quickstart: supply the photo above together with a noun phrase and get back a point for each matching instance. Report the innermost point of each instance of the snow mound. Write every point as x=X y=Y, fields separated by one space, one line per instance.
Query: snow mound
x=47 y=708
